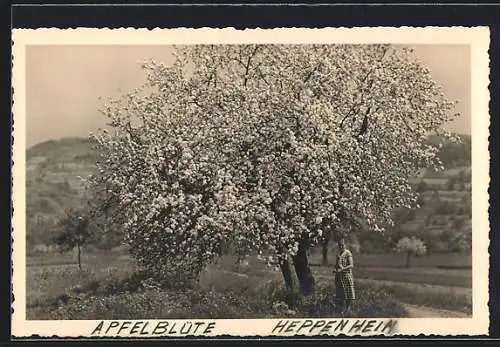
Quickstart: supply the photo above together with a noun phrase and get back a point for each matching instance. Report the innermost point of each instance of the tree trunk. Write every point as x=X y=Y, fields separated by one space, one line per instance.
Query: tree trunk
x=408 y=254
x=324 y=261
x=303 y=271
x=325 y=249
x=79 y=257
x=287 y=274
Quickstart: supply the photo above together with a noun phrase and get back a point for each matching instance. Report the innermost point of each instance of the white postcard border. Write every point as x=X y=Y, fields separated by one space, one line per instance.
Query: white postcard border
x=477 y=38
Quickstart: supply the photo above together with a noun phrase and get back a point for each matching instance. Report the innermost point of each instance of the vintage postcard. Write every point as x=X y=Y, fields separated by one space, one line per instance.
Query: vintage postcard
x=285 y=182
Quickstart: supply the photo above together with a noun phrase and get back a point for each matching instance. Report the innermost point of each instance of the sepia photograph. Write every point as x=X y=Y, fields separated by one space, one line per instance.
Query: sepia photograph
x=190 y=185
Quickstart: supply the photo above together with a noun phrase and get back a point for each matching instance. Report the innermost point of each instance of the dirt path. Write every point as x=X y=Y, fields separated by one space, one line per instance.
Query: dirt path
x=427 y=312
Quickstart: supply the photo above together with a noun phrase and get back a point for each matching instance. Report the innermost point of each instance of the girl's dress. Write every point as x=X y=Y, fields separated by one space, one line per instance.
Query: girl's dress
x=344 y=281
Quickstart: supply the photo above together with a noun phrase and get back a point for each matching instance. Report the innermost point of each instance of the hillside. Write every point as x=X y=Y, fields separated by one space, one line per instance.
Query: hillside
x=53 y=185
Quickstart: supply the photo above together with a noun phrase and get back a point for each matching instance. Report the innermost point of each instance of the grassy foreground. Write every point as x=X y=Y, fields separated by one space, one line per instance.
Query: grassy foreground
x=109 y=286
x=111 y=292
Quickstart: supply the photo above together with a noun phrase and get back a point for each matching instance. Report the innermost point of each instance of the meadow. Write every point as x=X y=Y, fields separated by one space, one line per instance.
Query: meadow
x=451 y=269
x=110 y=286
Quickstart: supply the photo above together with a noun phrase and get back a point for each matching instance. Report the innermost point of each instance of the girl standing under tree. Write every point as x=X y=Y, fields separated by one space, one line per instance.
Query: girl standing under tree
x=344 y=281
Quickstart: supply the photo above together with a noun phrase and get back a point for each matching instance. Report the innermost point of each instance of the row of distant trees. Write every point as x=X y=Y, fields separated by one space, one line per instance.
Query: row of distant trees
x=446 y=229
x=454 y=154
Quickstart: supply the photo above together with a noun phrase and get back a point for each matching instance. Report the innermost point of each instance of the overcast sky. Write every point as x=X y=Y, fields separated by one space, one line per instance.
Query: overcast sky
x=64 y=83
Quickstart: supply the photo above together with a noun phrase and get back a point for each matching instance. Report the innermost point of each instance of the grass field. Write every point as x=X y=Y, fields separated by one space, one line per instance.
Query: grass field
x=392 y=260
x=109 y=287
x=450 y=278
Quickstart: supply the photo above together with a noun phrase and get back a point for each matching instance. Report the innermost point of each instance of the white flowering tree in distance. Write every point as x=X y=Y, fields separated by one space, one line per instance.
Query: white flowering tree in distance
x=264 y=148
x=411 y=246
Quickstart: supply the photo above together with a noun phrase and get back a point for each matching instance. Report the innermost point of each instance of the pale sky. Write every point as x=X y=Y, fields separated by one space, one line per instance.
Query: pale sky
x=64 y=83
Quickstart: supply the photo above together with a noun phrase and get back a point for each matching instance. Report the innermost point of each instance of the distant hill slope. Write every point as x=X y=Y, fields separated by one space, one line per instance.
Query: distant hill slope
x=52 y=182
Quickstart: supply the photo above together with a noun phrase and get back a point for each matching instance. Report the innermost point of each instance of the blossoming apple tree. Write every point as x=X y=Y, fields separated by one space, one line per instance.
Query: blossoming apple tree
x=267 y=148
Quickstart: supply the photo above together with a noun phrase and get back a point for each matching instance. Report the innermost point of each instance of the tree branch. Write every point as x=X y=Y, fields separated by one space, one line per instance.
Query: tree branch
x=348 y=114
x=364 y=125
x=262 y=76
x=407 y=125
x=309 y=75
x=247 y=66
x=369 y=88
